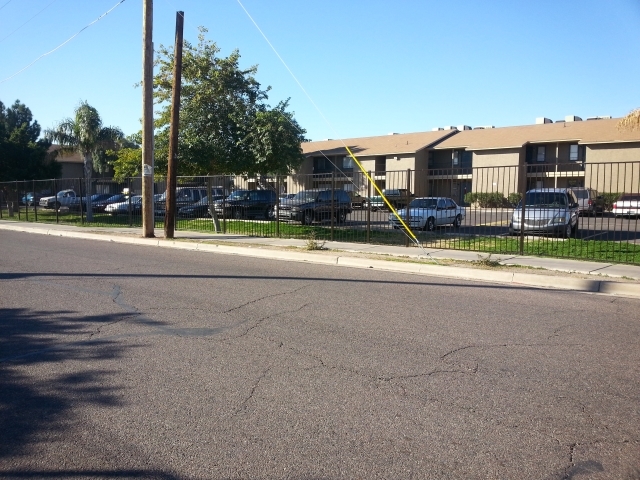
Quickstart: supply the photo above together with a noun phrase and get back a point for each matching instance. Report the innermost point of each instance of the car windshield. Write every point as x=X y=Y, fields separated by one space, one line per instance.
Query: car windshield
x=306 y=196
x=546 y=199
x=627 y=198
x=115 y=198
x=423 y=203
x=581 y=193
x=239 y=195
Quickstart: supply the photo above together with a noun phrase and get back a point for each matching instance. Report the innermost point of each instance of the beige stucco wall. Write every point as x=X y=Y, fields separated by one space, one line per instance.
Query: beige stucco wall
x=613 y=168
x=494 y=158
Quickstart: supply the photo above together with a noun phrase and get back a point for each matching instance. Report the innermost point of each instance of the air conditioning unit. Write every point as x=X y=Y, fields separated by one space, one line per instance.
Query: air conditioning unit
x=572 y=118
x=437 y=129
x=543 y=120
x=463 y=127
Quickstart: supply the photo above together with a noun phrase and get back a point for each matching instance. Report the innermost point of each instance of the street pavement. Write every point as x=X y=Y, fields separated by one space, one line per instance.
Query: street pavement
x=595 y=277
x=125 y=361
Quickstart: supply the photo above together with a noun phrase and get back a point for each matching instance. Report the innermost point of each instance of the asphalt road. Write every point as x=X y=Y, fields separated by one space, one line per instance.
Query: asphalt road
x=119 y=361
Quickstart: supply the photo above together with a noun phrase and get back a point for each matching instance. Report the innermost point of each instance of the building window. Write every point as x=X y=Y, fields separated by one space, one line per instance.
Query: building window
x=573 y=153
x=456 y=158
x=540 y=154
x=347 y=163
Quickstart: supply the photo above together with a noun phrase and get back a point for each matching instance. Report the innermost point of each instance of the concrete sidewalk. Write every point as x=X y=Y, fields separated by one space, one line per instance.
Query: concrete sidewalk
x=584 y=276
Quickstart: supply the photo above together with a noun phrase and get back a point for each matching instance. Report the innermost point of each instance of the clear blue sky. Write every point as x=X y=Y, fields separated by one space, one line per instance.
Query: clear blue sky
x=371 y=67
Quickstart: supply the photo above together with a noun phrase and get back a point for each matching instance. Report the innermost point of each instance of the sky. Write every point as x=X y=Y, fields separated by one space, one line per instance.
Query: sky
x=352 y=68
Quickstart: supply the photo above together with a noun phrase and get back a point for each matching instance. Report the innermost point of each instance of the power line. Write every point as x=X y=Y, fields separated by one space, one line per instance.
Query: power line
x=406 y=229
x=65 y=42
x=7 y=3
x=3 y=39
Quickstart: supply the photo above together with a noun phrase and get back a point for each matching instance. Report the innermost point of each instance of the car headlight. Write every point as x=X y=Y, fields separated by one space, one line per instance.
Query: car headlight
x=295 y=209
x=559 y=220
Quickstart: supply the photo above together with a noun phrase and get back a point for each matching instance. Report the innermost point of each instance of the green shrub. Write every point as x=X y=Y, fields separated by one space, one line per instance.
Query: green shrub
x=609 y=199
x=514 y=198
x=486 y=199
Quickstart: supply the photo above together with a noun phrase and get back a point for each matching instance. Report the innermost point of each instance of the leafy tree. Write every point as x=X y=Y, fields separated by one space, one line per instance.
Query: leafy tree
x=85 y=134
x=22 y=155
x=127 y=161
x=225 y=124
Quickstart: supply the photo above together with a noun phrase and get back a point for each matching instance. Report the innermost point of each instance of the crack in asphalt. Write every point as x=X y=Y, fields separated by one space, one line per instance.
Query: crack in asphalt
x=509 y=345
x=265 y=297
x=243 y=406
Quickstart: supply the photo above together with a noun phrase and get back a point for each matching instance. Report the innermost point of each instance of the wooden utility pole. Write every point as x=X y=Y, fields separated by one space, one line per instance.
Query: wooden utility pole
x=172 y=170
x=147 y=119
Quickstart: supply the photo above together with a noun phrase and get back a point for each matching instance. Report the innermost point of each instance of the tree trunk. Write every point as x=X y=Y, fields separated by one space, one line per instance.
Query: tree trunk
x=88 y=171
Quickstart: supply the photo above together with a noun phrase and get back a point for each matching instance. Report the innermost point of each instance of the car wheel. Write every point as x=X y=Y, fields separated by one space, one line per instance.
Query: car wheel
x=575 y=231
x=341 y=217
x=307 y=218
x=457 y=221
x=430 y=224
x=56 y=206
x=237 y=214
x=268 y=213
x=568 y=231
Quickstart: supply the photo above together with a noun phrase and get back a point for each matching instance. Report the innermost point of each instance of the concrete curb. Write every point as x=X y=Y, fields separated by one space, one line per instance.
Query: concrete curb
x=512 y=278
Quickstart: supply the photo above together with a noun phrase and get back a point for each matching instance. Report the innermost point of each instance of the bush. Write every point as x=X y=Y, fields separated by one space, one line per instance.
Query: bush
x=485 y=199
x=609 y=199
x=514 y=198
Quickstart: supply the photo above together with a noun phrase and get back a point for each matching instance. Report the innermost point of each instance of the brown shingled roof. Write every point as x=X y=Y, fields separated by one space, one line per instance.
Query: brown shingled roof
x=584 y=132
x=382 y=145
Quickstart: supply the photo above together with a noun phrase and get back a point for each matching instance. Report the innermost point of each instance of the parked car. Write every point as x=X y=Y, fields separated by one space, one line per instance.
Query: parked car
x=427 y=213
x=589 y=202
x=100 y=205
x=133 y=205
x=627 y=205
x=397 y=197
x=184 y=196
x=64 y=198
x=199 y=209
x=547 y=211
x=247 y=204
x=315 y=205
x=30 y=198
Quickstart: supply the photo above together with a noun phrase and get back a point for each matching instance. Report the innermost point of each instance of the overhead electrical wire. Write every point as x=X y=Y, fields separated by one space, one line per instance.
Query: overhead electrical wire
x=65 y=42
x=7 y=3
x=14 y=31
x=406 y=230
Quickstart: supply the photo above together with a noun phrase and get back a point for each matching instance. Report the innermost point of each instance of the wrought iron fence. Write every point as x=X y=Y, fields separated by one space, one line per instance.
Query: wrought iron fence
x=346 y=206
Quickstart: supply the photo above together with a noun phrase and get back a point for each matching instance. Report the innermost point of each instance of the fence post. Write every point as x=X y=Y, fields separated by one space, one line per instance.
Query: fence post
x=129 y=209
x=80 y=202
x=333 y=189
x=523 y=194
x=277 y=209
x=35 y=203
x=26 y=202
x=17 y=204
x=406 y=208
x=369 y=208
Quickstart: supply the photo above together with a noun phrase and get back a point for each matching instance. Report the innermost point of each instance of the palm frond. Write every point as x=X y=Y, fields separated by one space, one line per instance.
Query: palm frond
x=631 y=121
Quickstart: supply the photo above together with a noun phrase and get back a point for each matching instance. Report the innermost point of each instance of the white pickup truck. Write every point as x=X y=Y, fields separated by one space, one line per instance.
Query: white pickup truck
x=64 y=198
x=429 y=212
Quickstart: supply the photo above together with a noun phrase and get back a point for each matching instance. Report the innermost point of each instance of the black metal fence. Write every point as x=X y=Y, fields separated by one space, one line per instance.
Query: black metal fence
x=607 y=229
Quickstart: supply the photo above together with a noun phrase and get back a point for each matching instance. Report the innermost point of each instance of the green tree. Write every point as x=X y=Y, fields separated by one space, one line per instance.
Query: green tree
x=85 y=134
x=225 y=124
x=126 y=161
x=22 y=155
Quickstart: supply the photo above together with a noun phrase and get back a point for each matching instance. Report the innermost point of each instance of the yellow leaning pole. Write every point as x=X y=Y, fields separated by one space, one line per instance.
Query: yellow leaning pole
x=407 y=229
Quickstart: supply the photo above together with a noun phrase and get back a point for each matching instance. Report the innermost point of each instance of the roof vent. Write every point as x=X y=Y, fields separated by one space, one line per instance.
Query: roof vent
x=463 y=127
x=326 y=140
x=478 y=128
x=449 y=127
x=483 y=127
x=572 y=118
x=437 y=129
x=606 y=117
x=393 y=133
x=543 y=120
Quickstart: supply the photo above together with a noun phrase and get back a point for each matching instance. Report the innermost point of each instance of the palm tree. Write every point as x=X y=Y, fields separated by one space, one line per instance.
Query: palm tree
x=631 y=121
x=86 y=135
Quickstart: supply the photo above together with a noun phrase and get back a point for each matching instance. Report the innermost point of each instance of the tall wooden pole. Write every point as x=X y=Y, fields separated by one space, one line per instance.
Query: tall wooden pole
x=172 y=170
x=147 y=119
